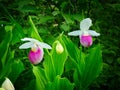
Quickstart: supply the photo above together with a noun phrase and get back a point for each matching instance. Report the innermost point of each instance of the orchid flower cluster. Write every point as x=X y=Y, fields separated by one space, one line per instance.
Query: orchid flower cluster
x=36 y=53
x=84 y=33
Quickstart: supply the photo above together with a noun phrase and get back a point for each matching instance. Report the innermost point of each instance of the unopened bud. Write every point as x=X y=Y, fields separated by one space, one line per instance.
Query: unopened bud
x=59 y=48
x=7 y=85
x=2 y=89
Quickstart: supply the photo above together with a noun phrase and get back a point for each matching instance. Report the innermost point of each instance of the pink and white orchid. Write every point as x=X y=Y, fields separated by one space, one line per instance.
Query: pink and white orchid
x=36 y=53
x=84 y=33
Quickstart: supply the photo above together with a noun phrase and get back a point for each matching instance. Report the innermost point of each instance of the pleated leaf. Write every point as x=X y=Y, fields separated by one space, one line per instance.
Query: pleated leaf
x=71 y=48
x=93 y=66
x=49 y=67
x=16 y=68
x=60 y=84
x=40 y=78
x=59 y=58
x=54 y=63
x=4 y=46
x=33 y=30
x=76 y=55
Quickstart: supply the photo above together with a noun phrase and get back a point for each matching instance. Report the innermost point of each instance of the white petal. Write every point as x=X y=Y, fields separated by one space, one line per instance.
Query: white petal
x=75 y=33
x=31 y=40
x=85 y=24
x=26 y=45
x=44 y=45
x=93 y=33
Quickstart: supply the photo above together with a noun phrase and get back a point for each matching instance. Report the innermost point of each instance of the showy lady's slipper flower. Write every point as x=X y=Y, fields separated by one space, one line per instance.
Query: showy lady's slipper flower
x=7 y=85
x=84 y=33
x=36 y=53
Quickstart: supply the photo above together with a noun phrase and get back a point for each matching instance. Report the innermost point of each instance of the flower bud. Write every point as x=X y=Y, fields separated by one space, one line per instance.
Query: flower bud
x=36 y=56
x=7 y=85
x=2 y=89
x=59 y=48
x=86 y=41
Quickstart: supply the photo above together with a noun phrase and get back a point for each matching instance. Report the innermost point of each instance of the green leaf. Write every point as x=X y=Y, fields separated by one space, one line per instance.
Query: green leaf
x=28 y=8
x=44 y=19
x=31 y=85
x=8 y=27
x=23 y=3
x=77 y=17
x=72 y=50
x=68 y=19
x=56 y=12
x=49 y=67
x=6 y=69
x=16 y=28
x=69 y=65
x=115 y=6
x=17 y=32
x=60 y=84
x=93 y=66
x=77 y=58
x=54 y=62
x=4 y=48
x=16 y=68
x=87 y=67
x=59 y=58
x=40 y=78
x=77 y=79
x=34 y=31
x=65 y=27
x=63 y=5
x=76 y=55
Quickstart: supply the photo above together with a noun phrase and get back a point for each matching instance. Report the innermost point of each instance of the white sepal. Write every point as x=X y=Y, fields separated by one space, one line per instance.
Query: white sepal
x=93 y=33
x=75 y=33
x=28 y=39
x=85 y=24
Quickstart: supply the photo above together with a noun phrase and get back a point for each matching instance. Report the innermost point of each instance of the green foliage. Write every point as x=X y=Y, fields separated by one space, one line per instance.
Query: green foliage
x=93 y=66
x=60 y=84
x=40 y=78
x=5 y=54
x=16 y=68
x=59 y=58
x=109 y=29
x=34 y=31
x=87 y=66
x=55 y=61
x=4 y=47
x=76 y=68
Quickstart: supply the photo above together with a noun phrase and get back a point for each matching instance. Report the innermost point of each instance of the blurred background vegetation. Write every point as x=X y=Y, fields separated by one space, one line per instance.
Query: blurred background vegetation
x=51 y=17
